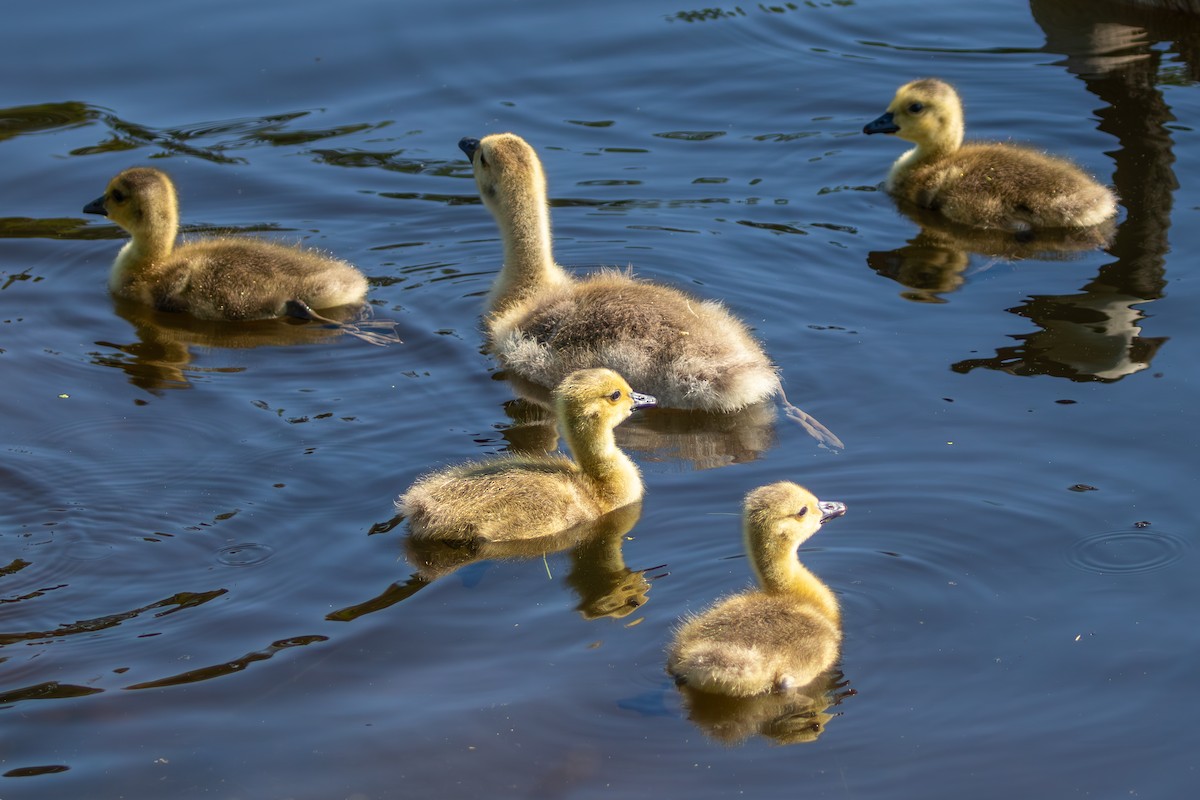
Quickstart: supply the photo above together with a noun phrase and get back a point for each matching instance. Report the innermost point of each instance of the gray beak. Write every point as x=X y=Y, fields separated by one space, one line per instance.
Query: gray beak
x=830 y=509
x=642 y=401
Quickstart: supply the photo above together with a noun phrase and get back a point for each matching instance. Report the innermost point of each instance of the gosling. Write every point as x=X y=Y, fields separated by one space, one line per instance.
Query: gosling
x=543 y=323
x=982 y=184
x=776 y=638
x=216 y=278
x=524 y=497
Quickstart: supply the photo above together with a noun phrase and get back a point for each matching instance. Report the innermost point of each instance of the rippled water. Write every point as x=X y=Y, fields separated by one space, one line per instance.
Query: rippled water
x=204 y=591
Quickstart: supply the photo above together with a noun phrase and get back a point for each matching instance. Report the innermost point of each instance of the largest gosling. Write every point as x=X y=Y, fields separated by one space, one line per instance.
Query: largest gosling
x=543 y=323
x=525 y=497
x=982 y=184
x=781 y=636
x=218 y=278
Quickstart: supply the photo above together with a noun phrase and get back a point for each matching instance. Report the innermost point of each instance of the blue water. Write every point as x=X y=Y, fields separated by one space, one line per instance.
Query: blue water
x=204 y=592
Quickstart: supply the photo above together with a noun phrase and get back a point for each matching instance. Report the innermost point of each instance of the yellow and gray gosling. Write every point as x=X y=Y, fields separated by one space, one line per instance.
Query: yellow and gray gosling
x=523 y=497
x=780 y=636
x=983 y=184
x=543 y=323
x=215 y=278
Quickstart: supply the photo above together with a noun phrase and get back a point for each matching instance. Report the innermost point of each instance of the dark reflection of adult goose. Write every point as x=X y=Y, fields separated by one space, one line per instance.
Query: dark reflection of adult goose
x=543 y=323
x=702 y=439
x=1120 y=51
x=525 y=497
x=780 y=636
x=214 y=278
x=792 y=717
x=986 y=185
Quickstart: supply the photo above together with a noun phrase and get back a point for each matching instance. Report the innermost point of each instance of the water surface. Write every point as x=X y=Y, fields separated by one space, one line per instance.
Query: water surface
x=204 y=591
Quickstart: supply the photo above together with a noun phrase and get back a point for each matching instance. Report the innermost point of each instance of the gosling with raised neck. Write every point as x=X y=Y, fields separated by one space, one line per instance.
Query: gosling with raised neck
x=780 y=636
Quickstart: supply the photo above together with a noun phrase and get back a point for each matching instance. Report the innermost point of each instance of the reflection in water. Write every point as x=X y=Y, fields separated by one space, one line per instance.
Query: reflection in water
x=161 y=357
x=1095 y=335
x=236 y=134
x=21 y=120
x=229 y=667
x=703 y=439
x=606 y=587
x=935 y=261
x=1090 y=336
x=87 y=627
x=598 y=574
x=791 y=717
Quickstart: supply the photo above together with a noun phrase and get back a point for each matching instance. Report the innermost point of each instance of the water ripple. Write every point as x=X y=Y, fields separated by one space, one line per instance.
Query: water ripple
x=1127 y=552
x=244 y=555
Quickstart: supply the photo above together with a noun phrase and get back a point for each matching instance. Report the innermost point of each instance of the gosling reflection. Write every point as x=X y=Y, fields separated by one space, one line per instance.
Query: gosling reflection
x=937 y=260
x=794 y=717
x=781 y=636
x=598 y=574
x=161 y=357
x=701 y=439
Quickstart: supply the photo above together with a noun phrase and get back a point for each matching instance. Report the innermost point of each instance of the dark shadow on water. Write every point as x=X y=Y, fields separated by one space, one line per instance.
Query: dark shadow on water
x=210 y=141
x=228 y=667
x=87 y=627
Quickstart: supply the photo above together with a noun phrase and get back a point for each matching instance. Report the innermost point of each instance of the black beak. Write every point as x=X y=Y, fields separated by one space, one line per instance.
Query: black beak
x=884 y=124
x=469 y=146
x=96 y=207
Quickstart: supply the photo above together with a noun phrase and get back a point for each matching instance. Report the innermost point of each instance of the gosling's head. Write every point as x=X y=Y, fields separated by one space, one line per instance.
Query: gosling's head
x=506 y=169
x=780 y=516
x=926 y=112
x=138 y=199
x=596 y=398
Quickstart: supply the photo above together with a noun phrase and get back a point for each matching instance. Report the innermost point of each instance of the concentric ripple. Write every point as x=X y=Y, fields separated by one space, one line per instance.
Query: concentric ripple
x=244 y=555
x=1126 y=552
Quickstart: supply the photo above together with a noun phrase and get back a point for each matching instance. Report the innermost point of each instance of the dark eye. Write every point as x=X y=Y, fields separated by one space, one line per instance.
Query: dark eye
x=802 y=511
x=916 y=108
x=118 y=196
x=482 y=159
x=615 y=396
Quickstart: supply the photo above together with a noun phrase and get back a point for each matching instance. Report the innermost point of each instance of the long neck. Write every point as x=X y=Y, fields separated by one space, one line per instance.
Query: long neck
x=529 y=267
x=783 y=574
x=594 y=448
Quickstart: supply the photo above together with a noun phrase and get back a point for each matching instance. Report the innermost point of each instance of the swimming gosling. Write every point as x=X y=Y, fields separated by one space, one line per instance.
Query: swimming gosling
x=523 y=497
x=543 y=323
x=216 y=278
x=983 y=184
x=780 y=636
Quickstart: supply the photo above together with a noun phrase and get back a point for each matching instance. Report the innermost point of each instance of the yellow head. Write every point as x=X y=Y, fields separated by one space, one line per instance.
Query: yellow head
x=139 y=199
x=591 y=399
x=926 y=112
x=777 y=519
x=505 y=168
